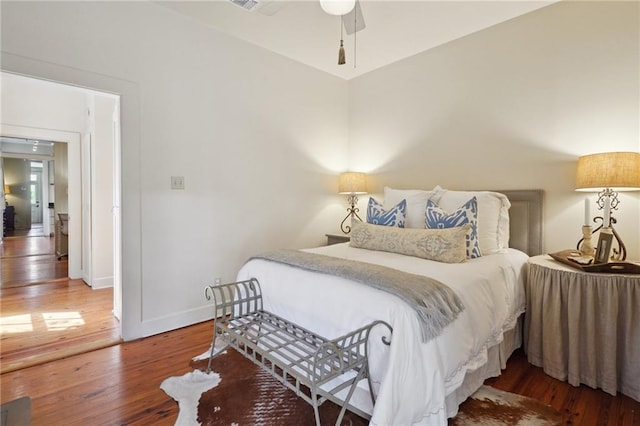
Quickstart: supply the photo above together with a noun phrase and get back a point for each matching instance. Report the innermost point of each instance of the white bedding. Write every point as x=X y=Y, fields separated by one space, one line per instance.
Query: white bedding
x=414 y=378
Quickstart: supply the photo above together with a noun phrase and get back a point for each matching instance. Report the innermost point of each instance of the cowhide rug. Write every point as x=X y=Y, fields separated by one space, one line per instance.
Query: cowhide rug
x=242 y=394
x=492 y=407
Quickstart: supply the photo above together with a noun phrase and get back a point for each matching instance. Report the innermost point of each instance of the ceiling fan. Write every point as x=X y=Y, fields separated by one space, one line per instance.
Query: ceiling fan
x=350 y=10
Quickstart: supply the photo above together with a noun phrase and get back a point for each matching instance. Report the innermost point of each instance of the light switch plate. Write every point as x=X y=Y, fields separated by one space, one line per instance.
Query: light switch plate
x=177 y=182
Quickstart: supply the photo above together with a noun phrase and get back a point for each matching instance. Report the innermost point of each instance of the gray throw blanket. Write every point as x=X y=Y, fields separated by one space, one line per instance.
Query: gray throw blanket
x=435 y=303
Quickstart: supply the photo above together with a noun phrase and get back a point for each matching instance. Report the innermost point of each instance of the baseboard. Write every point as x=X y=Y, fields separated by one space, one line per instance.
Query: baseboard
x=105 y=282
x=177 y=320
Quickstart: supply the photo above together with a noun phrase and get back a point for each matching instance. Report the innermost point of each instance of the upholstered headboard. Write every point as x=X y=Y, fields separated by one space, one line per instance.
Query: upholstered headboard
x=525 y=220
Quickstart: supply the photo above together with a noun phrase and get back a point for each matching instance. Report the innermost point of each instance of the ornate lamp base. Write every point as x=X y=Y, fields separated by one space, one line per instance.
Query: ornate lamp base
x=352 y=212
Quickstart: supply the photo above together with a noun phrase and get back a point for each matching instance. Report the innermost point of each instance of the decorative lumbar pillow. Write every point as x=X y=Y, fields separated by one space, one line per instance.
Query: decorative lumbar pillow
x=467 y=214
x=443 y=245
x=395 y=216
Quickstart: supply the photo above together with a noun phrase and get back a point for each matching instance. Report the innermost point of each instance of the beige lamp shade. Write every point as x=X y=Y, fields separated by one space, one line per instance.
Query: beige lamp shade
x=7 y=189
x=352 y=183
x=619 y=171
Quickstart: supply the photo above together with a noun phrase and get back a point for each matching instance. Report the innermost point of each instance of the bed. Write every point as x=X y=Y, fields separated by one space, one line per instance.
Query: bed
x=418 y=380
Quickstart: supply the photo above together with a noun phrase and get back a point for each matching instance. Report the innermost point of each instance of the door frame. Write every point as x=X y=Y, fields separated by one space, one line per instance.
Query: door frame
x=72 y=139
x=130 y=189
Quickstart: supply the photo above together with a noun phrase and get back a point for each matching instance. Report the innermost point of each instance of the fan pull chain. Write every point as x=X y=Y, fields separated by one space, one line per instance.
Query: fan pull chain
x=341 y=55
x=355 y=33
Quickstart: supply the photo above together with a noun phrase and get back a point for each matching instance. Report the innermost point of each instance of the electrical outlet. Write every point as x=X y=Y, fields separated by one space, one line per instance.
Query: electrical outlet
x=177 y=182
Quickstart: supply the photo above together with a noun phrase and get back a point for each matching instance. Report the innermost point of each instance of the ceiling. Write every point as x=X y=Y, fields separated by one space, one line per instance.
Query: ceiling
x=28 y=147
x=302 y=31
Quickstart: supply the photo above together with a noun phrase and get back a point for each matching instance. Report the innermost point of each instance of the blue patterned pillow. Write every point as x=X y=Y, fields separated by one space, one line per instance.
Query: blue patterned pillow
x=436 y=218
x=392 y=217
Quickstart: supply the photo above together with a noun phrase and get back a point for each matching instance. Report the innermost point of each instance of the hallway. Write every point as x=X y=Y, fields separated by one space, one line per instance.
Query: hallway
x=29 y=257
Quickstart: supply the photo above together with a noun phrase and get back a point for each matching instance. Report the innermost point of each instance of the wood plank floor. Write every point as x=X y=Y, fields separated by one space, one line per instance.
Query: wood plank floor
x=580 y=405
x=44 y=315
x=29 y=259
x=43 y=322
x=120 y=385
x=115 y=385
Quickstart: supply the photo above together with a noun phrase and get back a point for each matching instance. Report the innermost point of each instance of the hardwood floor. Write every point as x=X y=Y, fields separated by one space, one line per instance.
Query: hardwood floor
x=44 y=315
x=121 y=385
x=29 y=259
x=580 y=405
x=43 y=322
x=115 y=385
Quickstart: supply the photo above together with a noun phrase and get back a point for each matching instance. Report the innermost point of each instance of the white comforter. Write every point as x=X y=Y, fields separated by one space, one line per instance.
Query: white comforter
x=413 y=378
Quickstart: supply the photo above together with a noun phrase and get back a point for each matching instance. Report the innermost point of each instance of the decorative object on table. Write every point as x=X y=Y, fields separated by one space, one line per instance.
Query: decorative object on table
x=352 y=184
x=607 y=173
x=604 y=245
x=585 y=246
x=575 y=259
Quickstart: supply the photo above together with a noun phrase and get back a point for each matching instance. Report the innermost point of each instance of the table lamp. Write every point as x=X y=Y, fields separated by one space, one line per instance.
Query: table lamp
x=608 y=173
x=352 y=184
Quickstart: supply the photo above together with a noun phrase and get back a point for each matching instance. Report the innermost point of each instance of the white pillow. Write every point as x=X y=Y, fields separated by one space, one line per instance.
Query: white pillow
x=416 y=204
x=493 y=215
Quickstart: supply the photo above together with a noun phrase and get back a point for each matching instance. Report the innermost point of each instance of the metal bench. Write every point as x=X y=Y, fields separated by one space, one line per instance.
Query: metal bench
x=293 y=355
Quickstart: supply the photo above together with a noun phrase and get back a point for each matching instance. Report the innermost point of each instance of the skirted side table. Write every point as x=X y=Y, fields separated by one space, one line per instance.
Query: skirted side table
x=584 y=327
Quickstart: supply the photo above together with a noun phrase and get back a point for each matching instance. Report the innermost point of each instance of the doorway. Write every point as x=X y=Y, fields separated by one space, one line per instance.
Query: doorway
x=81 y=173
x=35 y=193
x=30 y=246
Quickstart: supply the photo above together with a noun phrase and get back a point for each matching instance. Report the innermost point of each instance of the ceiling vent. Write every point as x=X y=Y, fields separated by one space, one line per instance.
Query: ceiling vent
x=265 y=7
x=249 y=5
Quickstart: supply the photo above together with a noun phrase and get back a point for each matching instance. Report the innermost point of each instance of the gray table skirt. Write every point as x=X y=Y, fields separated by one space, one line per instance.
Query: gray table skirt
x=584 y=328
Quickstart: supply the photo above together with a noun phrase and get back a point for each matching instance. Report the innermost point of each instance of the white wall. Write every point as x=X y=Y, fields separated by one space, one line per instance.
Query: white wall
x=258 y=138
x=513 y=106
x=102 y=192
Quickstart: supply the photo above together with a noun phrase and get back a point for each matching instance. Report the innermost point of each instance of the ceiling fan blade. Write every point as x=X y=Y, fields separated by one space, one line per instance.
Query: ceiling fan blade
x=354 y=20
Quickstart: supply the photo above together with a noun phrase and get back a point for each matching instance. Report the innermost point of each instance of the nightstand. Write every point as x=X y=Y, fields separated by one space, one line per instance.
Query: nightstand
x=336 y=239
x=583 y=327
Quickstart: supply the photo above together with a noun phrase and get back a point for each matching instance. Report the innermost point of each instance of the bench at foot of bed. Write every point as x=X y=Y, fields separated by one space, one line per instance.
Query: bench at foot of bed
x=293 y=355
